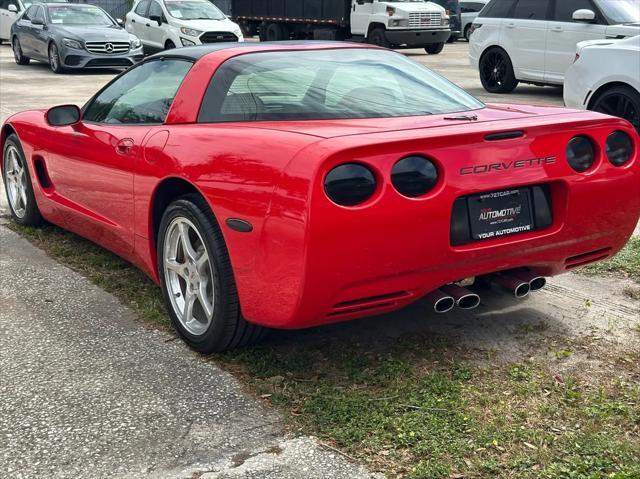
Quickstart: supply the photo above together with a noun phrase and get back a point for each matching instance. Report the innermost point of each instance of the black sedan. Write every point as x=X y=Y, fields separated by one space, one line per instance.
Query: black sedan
x=73 y=36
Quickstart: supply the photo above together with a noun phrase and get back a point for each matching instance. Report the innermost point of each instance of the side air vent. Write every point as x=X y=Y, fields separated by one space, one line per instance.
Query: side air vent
x=42 y=175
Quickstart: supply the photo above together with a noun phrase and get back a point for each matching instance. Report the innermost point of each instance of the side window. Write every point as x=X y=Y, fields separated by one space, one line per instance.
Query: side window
x=155 y=10
x=30 y=13
x=141 y=9
x=39 y=13
x=4 y=4
x=565 y=8
x=531 y=9
x=143 y=95
x=498 y=8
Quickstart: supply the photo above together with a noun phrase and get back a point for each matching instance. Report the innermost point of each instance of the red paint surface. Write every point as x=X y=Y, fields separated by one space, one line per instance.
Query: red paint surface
x=308 y=261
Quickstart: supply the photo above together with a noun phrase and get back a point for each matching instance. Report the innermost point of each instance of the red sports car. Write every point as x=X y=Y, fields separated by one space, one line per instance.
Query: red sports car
x=299 y=184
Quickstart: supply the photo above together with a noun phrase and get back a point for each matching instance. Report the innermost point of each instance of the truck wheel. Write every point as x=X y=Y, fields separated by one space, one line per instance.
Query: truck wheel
x=377 y=37
x=453 y=38
x=262 y=32
x=496 y=72
x=277 y=32
x=434 y=49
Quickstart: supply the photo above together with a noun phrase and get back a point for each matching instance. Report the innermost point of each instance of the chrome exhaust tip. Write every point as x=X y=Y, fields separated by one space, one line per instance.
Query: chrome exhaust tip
x=441 y=302
x=464 y=298
x=514 y=285
x=535 y=281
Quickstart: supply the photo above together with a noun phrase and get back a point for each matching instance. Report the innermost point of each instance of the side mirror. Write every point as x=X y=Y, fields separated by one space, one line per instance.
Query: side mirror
x=37 y=21
x=156 y=18
x=12 y=8
x=120 y=22
x=63 y=115
x=584 y=15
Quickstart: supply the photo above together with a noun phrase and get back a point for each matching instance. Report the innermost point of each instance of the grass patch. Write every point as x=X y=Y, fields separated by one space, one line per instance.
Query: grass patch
x=626 y=262
x=416 y=407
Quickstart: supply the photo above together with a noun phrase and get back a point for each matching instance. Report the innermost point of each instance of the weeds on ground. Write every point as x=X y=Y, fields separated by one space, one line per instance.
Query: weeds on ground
x=416 y=407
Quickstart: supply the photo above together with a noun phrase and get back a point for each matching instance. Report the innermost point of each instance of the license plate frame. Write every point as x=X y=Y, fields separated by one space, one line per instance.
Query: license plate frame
x=501 y=213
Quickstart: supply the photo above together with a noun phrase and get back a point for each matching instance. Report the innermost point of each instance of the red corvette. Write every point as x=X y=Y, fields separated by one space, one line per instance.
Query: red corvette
x=299 y=184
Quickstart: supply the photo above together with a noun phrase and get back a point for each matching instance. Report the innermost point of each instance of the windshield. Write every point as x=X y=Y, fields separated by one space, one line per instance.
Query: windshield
x=328 y=84
x=620 y=11
x=78 y=15
x=193 y=10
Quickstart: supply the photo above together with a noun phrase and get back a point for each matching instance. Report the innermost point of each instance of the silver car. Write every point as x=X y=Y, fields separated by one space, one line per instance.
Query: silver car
x=73 y=36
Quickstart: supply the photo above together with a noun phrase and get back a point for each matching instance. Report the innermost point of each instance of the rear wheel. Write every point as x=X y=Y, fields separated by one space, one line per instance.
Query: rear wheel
x=496 y=72
x=377 y=37
x=17 y=53
x=622 y=101
x=467 y=32
x=276 y=32
x=17 y=184
x=197 y=280
x=434 y=48
x=54 y=59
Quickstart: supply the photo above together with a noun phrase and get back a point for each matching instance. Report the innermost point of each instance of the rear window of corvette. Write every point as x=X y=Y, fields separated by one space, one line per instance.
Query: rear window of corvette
x=328 y=84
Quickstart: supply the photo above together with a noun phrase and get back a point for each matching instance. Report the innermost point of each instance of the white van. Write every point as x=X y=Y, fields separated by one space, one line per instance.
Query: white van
x=534 y=41
x=165 y=24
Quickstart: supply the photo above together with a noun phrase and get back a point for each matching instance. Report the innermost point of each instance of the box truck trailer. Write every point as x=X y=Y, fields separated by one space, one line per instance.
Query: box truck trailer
x=392 y=24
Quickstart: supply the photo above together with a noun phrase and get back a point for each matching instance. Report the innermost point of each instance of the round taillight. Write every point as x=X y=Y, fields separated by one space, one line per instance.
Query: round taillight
x=414 y=176
x=350 y=184
x=581 y=153
x=619 y=148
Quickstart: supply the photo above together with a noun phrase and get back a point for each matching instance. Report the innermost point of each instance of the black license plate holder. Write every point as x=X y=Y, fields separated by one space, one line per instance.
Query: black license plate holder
x=501 y=213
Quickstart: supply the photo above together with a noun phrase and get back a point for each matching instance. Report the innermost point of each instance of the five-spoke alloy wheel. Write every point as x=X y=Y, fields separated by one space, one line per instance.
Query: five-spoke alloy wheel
x=17 y=183
x=197 y=279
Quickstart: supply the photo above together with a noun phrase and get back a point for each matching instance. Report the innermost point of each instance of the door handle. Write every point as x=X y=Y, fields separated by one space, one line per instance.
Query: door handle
x=557 y=29
x=148 y=24
x=511 y=25
x=124 y=146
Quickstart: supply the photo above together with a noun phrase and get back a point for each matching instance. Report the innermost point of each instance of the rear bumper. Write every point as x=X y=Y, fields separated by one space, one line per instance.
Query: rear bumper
x=325 y=263
x=417 y=38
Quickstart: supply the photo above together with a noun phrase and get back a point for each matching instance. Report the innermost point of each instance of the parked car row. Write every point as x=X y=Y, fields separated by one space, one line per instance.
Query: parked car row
x=74 y=36
x=575 y=43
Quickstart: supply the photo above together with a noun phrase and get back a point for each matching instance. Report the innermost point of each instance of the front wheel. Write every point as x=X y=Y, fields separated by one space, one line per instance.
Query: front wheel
x=622 y=101
x=54 y=59
x=434 y=48
x=17 y=53
x=496 y=72
x=17 y=184
x=197 y=280
x=378 y=37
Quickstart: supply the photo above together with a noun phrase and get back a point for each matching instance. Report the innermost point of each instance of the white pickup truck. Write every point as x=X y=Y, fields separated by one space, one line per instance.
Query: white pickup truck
x=395 y=24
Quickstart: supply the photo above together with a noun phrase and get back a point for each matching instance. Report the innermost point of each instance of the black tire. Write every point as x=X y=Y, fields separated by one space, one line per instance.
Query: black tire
x=262 y=32
x=453 y=38
x=496 y=71
x=228 y=329
x=31 y=215
x=17 y=53
x=54 y=59
x=276 y=32
x=377 y=37
x=169 y=45
x=621 y=101
x=434 y=48
x=467 y=29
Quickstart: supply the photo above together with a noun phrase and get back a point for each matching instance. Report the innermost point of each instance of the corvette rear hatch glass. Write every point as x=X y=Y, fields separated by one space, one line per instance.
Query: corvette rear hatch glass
x=326 y=85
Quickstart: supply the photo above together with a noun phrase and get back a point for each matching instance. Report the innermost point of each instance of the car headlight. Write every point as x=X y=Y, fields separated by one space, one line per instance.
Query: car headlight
x=190 y=31
x=414 y=176
x=581 y=153
x=135 y=42
x=71 y=43
x=619 y=148
x=350 y=184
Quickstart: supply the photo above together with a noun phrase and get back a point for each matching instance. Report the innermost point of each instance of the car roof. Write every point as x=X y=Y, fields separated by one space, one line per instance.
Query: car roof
x=199 y=51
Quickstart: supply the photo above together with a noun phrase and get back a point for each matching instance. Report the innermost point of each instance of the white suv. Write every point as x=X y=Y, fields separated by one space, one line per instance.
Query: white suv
x=534 y=41
x=165 y=24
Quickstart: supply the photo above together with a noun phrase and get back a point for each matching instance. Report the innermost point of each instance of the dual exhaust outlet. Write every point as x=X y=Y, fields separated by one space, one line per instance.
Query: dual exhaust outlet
x=518 y=283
